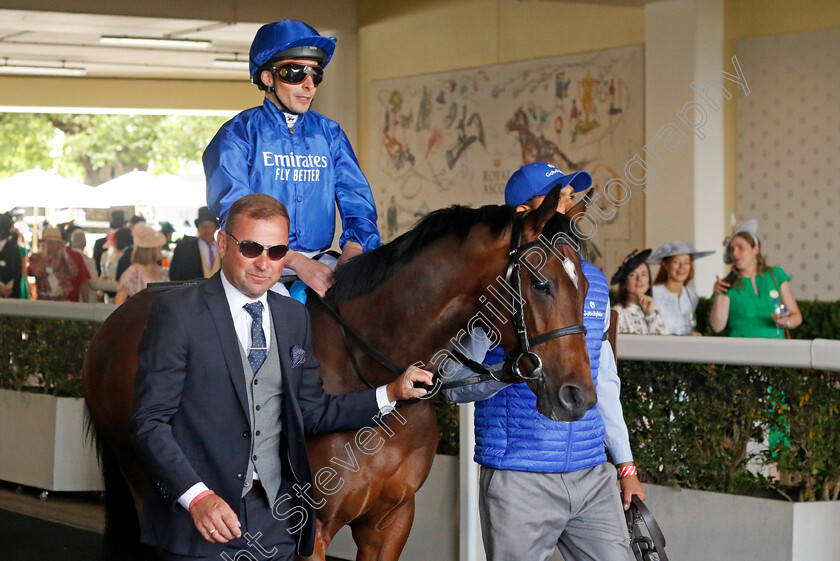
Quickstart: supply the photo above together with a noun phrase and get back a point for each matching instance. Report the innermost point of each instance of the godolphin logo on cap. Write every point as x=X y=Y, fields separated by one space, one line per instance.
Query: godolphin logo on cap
x=553 y=171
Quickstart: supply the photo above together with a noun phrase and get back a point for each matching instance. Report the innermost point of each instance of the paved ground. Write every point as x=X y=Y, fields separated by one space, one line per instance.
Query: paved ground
x=65 y=527
x=83 y=511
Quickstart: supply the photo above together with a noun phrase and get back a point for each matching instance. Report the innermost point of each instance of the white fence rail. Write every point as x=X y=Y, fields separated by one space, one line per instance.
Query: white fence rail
x=821 y=354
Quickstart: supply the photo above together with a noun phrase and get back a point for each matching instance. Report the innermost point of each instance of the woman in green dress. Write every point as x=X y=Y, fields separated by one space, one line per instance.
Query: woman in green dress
x=755 y=300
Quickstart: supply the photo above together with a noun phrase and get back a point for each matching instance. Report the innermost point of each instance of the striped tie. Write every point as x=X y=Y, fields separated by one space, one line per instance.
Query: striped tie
x=258 y=352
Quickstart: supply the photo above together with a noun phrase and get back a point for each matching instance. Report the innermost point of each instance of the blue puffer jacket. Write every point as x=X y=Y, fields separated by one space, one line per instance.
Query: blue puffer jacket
x=511 y=434
x=308 y=168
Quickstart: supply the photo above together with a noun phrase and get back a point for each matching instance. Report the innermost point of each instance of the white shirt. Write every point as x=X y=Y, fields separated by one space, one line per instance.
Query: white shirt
x=676 y=310
x=242 y=322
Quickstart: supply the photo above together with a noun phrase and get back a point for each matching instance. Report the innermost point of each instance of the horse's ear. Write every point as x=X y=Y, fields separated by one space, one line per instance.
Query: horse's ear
x=543 y=213
x=581 y=206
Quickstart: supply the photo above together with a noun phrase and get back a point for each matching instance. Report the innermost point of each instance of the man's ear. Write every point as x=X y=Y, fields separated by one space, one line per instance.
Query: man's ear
x=267 y=78
x=581 y=206
x=221 y=240
x=538 y=218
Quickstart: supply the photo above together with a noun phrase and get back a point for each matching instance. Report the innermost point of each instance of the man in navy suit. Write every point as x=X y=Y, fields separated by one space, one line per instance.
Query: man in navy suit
x=227 y=389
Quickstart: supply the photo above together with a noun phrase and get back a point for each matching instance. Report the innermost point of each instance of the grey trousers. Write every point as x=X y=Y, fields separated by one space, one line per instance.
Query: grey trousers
x=524 y=515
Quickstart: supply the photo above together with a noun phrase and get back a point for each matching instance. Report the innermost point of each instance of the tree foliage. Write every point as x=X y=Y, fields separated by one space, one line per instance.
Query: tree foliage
x=96 y=148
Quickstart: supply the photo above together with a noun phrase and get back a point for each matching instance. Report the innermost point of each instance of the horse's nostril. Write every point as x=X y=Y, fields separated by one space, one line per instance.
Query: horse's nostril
x=571 y=397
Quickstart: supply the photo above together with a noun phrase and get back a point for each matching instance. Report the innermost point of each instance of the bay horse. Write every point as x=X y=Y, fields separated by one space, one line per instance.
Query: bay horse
x=409 y=300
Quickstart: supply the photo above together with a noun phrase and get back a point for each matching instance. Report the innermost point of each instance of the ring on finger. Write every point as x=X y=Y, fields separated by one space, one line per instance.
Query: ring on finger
x=211 y=531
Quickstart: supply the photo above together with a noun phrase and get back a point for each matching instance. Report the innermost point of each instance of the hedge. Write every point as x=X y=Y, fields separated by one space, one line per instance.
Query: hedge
x=689 y=424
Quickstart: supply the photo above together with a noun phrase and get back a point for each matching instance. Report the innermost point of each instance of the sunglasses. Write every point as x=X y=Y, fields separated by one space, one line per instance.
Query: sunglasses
x=294 y=73
x=252 y=250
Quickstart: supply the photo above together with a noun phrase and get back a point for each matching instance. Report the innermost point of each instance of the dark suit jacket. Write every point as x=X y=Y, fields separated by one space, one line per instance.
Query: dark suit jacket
x=98 y=250
x=11 y=267
x=186 y=260
x=191 y=420
x=124 y=262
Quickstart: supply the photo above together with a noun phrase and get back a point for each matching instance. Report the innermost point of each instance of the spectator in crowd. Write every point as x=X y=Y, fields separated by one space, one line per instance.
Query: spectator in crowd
x=675 y=300
x=60 y=273
x=195 y=257
x=11 y=271
x=144 y=267
x=78 y=240
x=100 y=245
x=167 y=229
x=755 y=300
x=125 y=260
x=636 y=311
x=110 y=260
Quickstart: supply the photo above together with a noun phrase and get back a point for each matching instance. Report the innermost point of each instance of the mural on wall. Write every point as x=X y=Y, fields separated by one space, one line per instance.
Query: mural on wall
x=456 y=137
x=788 y=139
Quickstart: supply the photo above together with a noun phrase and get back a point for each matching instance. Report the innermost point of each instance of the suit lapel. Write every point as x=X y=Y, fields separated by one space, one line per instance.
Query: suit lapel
x=283 y=339
x=217 y=304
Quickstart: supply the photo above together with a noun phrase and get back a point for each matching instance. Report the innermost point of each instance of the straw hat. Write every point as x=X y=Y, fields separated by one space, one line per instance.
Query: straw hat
x=676 y=248
x=146 y=236
x=51 y=234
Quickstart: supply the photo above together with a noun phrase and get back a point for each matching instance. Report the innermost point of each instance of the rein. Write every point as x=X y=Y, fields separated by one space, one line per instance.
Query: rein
x=513 y=277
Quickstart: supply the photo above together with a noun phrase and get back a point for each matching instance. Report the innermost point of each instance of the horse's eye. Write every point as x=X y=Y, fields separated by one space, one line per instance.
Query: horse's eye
x=541 y=286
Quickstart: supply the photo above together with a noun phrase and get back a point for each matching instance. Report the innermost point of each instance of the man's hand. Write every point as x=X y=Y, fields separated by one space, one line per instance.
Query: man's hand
x=215 y=519
x=315 y=275
x=6 y=288
x=403 y=386
x=721 y=287
x=350 y=250
x=630 y=485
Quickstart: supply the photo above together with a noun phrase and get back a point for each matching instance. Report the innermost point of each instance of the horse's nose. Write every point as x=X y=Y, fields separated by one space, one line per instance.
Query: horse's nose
x=572 y=397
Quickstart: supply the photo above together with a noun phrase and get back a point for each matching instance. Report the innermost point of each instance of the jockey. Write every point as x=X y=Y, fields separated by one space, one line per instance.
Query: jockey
x=296 y=155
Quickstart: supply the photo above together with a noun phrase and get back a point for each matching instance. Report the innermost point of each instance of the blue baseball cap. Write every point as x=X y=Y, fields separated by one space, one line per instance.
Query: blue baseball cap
x=538 y=178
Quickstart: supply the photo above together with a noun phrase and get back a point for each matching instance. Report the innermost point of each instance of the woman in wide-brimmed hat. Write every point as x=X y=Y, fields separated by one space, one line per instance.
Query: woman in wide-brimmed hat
x=676 y=301
x=144 y=267
x=637 y=313
x=755 y=300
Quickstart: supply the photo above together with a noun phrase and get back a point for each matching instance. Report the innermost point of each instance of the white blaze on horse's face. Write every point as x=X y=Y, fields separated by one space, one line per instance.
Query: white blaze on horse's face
x=569 y=266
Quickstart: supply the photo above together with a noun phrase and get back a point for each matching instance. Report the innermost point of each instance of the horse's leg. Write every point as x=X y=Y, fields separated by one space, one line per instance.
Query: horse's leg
x=322 y=541
x=383 y=537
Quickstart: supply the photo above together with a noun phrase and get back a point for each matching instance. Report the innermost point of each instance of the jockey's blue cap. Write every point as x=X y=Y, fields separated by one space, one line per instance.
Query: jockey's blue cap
x=537 y=179
x=291 y=38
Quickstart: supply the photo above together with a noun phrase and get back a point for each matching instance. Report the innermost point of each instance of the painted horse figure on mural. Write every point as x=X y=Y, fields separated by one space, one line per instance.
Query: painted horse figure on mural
x=408 y=300
x=537 y=148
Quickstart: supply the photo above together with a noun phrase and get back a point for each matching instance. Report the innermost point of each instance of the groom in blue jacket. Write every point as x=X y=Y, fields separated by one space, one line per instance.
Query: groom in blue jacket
x=544 y=483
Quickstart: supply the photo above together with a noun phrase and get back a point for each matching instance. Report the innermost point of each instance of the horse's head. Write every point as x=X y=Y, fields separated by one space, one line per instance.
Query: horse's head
x=550 y=352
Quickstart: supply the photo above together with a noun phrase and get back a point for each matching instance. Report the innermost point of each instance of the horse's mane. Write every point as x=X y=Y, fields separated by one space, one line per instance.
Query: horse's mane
x=364 y=273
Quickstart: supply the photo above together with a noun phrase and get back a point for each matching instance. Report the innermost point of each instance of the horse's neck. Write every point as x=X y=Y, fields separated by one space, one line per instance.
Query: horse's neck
x=416 y=313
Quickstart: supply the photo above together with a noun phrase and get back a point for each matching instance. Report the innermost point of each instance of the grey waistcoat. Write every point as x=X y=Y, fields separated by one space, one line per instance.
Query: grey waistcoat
x=265 y=405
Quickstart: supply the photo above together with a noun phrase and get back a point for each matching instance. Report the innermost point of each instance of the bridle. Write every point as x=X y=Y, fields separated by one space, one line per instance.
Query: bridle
x=513 y=277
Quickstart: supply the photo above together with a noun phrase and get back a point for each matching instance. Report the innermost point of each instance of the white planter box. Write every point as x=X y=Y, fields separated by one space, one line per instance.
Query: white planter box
x=698 y=525
x=43 y=444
